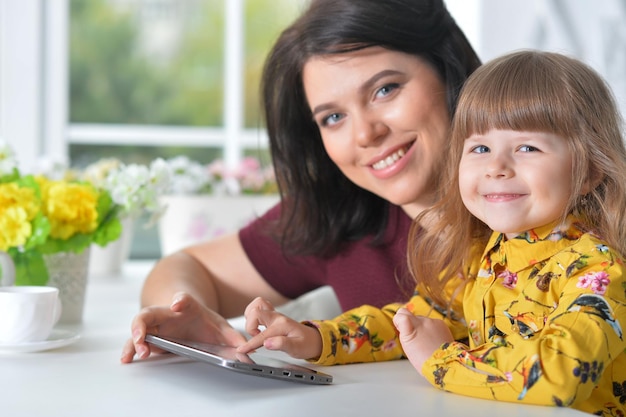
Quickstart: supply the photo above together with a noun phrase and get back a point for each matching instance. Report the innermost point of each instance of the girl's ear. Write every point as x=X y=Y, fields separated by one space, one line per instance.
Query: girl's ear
x=593 y=180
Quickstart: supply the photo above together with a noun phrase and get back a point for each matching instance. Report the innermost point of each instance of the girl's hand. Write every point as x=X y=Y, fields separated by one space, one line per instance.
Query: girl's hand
x=420 y=336
x=280 y=333
x=184 y=318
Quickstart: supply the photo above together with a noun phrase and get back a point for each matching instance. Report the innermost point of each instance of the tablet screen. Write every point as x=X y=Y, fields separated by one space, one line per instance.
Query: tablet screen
x=228 y=357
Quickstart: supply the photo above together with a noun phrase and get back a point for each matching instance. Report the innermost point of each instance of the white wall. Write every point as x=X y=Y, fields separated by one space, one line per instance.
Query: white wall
x=591 y=30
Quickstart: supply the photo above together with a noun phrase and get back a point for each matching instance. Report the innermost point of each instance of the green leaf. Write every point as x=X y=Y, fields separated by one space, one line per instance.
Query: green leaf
x=108 y=231
x=10 y=177
x=109 y=225
x=105 y=204
x=77 y=243
x=41 y=230
x=30 y=268
x=30 y=182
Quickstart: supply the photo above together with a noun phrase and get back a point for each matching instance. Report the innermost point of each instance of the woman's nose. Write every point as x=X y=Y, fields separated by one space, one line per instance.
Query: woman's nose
x=367 y=129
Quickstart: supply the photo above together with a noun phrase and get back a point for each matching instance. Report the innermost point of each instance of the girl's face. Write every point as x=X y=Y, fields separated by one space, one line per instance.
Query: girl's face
x=515 y=181
x=384 y=121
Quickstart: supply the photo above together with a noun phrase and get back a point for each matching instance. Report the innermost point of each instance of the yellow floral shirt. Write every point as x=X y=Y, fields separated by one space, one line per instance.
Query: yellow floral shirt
x=545 y=314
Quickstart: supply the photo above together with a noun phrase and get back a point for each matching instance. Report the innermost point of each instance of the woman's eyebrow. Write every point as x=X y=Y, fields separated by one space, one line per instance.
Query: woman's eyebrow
x=367 y=85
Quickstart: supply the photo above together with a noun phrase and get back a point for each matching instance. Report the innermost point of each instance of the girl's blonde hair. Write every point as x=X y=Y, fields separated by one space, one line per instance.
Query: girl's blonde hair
x=536 y=92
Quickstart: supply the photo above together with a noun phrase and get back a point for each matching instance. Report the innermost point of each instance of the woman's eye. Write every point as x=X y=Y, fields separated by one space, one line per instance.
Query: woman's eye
x=387 y=89
x=331 y=119
x=480 y=149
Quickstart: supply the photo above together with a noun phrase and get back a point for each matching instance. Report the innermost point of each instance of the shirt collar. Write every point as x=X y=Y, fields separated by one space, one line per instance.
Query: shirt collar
x=532 y=246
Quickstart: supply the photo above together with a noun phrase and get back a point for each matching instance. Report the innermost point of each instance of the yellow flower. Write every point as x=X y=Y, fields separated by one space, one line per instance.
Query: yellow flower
x=70 y=207
x=18 y=207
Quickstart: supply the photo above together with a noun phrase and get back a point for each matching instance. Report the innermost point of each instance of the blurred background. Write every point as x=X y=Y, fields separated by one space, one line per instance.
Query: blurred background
x=81 y=80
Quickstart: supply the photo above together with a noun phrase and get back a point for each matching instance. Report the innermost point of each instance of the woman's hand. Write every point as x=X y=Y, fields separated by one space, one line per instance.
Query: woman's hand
x=185 y=318
x=280 y=333
x=420 y=336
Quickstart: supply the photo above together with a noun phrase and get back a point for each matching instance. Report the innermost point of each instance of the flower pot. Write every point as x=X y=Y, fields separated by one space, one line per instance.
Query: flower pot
x=68 y=272
x=108 y=260
x=191 y=219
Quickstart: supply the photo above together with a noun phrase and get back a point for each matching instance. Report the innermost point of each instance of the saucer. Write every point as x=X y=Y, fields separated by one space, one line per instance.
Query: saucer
x=58 y=338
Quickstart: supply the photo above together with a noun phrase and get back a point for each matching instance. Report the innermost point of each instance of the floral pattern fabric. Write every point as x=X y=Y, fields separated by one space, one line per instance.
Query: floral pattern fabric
x=545 y=314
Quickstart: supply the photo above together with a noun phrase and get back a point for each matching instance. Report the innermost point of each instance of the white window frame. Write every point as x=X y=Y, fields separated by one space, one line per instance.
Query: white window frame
x=33 y=79
x=34 y=91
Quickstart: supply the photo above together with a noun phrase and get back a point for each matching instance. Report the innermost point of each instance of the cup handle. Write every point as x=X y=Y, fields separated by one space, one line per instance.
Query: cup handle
x=7 y=270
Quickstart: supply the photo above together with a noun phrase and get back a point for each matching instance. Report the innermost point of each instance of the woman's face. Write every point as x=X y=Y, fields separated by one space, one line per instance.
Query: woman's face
x=384 y=121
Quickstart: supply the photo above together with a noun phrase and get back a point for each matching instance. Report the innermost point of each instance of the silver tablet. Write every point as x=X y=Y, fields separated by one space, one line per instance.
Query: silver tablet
x=252 y=364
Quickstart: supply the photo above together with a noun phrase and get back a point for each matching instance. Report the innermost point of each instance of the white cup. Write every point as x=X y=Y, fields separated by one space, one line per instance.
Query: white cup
x=28 y=313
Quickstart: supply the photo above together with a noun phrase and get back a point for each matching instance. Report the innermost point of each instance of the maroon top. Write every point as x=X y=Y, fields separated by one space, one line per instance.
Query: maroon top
x=360 y=274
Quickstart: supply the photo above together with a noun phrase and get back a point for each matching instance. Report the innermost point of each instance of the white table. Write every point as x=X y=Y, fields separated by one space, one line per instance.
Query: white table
x=86 y=378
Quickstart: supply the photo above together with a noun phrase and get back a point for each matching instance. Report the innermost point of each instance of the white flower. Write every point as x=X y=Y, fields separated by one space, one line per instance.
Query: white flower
x=8 y=159
x=189 y=177
x=136 y=188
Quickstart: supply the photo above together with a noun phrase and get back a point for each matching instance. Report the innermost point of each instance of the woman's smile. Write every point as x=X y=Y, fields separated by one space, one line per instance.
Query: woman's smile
x=391 y=159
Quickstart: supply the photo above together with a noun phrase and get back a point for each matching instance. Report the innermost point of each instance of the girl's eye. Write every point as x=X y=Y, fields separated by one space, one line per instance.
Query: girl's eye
x=480 y=149
x=331 y=119
x=528 y=148
x=387 y=89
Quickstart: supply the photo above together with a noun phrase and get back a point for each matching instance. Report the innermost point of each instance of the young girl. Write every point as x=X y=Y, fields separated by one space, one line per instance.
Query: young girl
x=539 y=159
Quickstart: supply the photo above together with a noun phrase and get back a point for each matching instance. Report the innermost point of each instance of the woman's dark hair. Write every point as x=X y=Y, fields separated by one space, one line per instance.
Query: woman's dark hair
x=322 y=209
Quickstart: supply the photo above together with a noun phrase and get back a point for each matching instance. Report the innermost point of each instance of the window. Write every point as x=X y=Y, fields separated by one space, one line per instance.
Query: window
x=163 y=77
x=135 y=79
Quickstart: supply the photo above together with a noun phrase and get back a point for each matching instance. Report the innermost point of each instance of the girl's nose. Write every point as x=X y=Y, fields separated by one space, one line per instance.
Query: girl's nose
x=368 y=130
x=499 y=166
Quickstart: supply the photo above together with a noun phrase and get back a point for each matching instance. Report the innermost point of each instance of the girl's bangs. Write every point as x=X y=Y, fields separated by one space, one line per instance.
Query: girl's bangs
x=515 y=98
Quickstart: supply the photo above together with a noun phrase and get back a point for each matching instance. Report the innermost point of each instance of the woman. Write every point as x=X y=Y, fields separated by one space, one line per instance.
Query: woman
x=357 y=97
